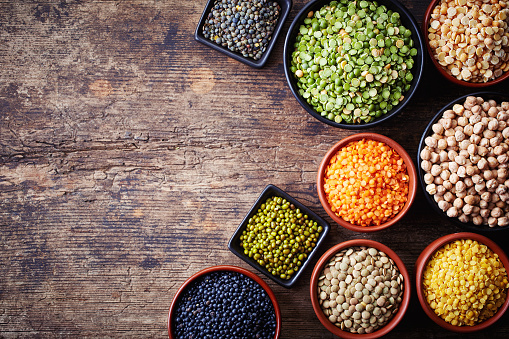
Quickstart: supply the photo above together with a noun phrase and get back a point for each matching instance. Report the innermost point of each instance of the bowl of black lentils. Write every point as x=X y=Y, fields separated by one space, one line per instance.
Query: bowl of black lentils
x=360 y=288
x=224 y=302
x=245 y=30
x=279 y=236
x=353 y=64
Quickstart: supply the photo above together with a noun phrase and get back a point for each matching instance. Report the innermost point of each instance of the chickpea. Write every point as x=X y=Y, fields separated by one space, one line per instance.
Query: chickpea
x=438 y=128
x=444 y=205
x=426 y=165
x=477 y=220
x=464 y=218
x=496 y=212
x=434 y=157
x=449 y=197
x=458 y=203
x=503 y=221
x=425 y=153
x=492 y=162
x=428 y=178
x=431 y=189
x=447 y=184
x=467 y=209
x=452 y=212
x=484 y=212
x=491 y=185
x=431 y=142
x=471 y=199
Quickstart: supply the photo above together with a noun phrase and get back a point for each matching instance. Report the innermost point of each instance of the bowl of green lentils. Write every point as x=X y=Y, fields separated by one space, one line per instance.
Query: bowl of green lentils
x=279 y=236
x=353 y=64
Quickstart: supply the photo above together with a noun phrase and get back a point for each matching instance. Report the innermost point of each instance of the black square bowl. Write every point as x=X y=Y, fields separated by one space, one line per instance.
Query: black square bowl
x=236 y=248
x=286 y=6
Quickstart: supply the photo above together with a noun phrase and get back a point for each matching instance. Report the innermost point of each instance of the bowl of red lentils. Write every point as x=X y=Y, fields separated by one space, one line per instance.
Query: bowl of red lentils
x=360 y=288
x=462 y=282
x=468 y=42
x=366 y=182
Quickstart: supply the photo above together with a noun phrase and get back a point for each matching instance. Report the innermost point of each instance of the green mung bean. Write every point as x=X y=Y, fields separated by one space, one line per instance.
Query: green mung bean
x=353 y=60
x=280 y=237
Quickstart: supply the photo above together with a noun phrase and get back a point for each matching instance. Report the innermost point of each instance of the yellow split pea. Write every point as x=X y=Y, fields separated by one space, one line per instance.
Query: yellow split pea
x=465 y=283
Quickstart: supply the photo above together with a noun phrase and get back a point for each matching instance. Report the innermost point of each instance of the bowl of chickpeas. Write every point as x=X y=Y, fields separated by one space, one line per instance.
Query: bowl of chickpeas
x=463 y=162
x=366 y=182
x=462 y=282
x=360 y=288
x=468 y=43
x=353 y=64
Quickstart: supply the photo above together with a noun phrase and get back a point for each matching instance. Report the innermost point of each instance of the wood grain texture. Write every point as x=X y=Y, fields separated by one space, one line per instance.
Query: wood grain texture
x=129 y=154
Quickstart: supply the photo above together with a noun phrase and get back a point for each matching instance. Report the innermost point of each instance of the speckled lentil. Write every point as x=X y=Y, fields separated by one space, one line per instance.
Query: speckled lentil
x=360 y=289
x=244 y=27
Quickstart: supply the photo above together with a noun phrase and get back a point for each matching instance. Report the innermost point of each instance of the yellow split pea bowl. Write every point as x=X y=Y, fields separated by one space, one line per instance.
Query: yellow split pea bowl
x=462 y=282
x=366 y=182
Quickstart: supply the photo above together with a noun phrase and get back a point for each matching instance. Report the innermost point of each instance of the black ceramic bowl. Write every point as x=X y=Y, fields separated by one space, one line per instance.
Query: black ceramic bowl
x=498 y=97
x=237 y=249
x=407 y=20
x=286 y=6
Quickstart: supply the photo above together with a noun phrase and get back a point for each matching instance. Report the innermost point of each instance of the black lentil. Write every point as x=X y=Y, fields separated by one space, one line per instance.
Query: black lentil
x=242 y=26
x=225 y=305
x=280 y=237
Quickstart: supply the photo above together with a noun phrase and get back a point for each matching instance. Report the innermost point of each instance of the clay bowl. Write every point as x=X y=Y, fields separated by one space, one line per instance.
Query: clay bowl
x=410 y=169
x=425 y=25
x=222 y=268
x=422 y=261
x=314 y=286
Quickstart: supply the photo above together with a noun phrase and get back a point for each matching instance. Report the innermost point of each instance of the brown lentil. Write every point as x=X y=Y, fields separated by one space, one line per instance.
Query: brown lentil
x=360 y=289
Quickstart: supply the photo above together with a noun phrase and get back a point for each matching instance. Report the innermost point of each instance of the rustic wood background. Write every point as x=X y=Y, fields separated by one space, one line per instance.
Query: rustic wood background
x=129 y=154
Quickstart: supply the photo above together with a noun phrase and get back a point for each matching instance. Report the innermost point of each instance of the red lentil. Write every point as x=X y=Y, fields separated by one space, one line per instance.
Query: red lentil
x=366 y=183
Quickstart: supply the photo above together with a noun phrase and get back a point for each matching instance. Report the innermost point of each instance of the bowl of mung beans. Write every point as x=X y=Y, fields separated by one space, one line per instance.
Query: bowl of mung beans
x=245 y=30
x=353 y=64
x=224 y=302
x=467 y=41
x=462 y=160
x=461 y=282
x=279 y=236
x=360 y=288
x=366 y=182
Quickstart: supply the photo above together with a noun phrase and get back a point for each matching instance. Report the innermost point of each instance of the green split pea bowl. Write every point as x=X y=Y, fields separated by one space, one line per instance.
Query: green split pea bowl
x=353 y=64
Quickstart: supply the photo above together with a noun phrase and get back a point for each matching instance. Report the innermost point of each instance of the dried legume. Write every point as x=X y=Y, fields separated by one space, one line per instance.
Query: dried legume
x=470 y=39
x=360 y=289
x=224 y=305
x=353 y=60
x=465 y=162
x=465 y=283
x=243 y=26
x=366 y=183
x=280 y=237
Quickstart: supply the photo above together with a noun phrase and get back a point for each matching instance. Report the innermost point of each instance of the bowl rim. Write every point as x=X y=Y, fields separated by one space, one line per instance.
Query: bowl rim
x=406 y=293
x=425 y=25
x=417 y=73
x=411 y=169
x=229 y=268
x=268 y=191
x=486 y=95
x=423 y=259
x=286 y=6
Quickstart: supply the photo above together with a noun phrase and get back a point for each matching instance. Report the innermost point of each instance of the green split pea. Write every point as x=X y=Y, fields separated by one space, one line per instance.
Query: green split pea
x=353 y=60
x=280 y=237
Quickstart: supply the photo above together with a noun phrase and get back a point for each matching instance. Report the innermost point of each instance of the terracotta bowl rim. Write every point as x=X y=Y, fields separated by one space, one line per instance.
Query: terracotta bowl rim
x=422 y=261
x=412 y=173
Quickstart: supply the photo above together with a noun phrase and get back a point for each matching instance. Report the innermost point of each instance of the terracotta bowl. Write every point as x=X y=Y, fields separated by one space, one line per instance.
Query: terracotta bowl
x=319 y=268
x=422 y=262
x=425 y=26
x=389 y=142
x=220 y=268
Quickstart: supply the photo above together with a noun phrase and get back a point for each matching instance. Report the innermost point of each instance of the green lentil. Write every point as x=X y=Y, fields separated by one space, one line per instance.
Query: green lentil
x=353 y=60
x=280 y=237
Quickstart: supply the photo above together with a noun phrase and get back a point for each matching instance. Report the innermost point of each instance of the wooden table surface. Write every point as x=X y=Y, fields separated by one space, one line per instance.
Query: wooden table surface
x=129 y=154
